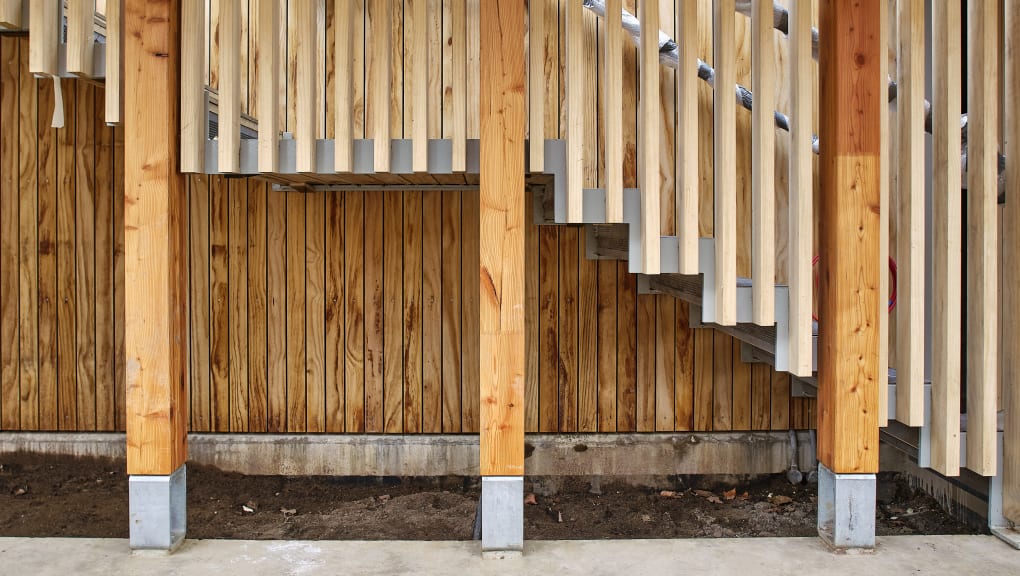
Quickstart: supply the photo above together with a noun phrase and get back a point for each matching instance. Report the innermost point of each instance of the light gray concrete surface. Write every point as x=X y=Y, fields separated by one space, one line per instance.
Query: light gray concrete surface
x=899 y=555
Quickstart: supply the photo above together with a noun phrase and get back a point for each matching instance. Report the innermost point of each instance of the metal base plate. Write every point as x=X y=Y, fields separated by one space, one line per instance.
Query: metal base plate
x=846 y=509
x=157 y=508
x=502 y=516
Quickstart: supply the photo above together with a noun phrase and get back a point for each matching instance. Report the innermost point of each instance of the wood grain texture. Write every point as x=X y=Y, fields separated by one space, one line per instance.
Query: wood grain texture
x=800 y=202
x=354 y=347
x=531 y=321
x=725 y=228
x=276 y=299
x=648 y=160
x=537 y=84
x=687 y=159
x=470 y=310
x=885 y=208
x=645 y=414
x=306 y=56
x=315 y=311
x=373 y=274
x=393 y=335
x=1011 y=270
x=947 y=214
x=105 y=312
x=84 y=267
x=722 y=385
x=198 y=254
x=335 y=312
x=763 y=145
x=45 y=22
x=41 y=410
x=237 y=303
x=419 y=102
x=910 y=213
x=567 y=336
x=12 y=14
x=501 y=239
x=154 y=242
x=432 y=311
x=80 y=23
x=983 y=245
x=606 y=343
x=575 y=107
x=665 y=357
x=626 y=350
x=258 y=307
x=268 y=66
x=548 y=322
x=219 y=311
x=230 y=89
x=451 y=306
x=457 y=92
x=194 y=126
x=9 y=192
x=297 y=408
x=379 y=81
x=411 y=312
x=851 y=97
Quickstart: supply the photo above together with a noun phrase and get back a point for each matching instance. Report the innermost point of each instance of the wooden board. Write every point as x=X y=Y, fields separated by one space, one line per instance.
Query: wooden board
x=297 y=408
x=305 y=131
x=1011 y=271
x=45 y=22
x=41 y=409
x=645 y=415
x=411 y=313
x=219 y=311
x=9 y=182
x=258 y=307
x=568 y=338
x=665 y=371
x=649 y=123
x=501 y=240
x=354 y=282
x=80 y=23
x=229 y=132
x=687 y=159
x=548 y=315
x=105 y=312
x=393 y=318
x=154 y=242
x=194 y=126
x=67 y=391
x=315 y=312
x=344 y=87
x=851 y=97
x=451 y=335
x=722 y=389
x=575 y=106
x=536 y=84
x=237 y=303
x=379 y=82
x=763 y=144
x=418 y=84
x=432 y=311
x=84 y=267
x=470 y=310
x=725 y=229
x=626 y=350
x=982 y=245
x=606 y=344
x=947 y=243
x=276 y=299
x=374 y=352
x=532 y=311
x=268 y=67
x=801 y=212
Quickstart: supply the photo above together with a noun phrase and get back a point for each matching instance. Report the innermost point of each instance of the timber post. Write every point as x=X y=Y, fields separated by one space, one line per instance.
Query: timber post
x=155 y=306
x=851 y=93
x=501 y=246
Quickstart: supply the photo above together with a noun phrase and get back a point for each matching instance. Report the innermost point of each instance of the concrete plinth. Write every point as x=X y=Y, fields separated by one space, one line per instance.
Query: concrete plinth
x=157 y=507
x=502 y=516
x=846 y=509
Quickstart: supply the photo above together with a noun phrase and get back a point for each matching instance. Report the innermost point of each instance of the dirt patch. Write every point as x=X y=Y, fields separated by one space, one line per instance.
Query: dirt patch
x=60 y=496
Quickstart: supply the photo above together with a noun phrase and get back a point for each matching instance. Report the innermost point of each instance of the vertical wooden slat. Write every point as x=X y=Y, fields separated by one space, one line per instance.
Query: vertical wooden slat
x=373 y=274
x=393 y=335
x=473 y=72
x=645 y=363
x=335 y=317
x=412 y=309
x=305 y=131
x=982 y=245
x=66 y=304
x=237 y=296
x=115 y=61
x=155 y=257
x=268 y=62
x=432 y=312
x=315 y=311
x=354 y=323
x=683 y=409
x=45 y=23
x=910 y=222
x=345 y=73
x=548 y=321
x=297 y=408
x=9 y=194
x=703 y=376
x=883 y=241
x=104 y=307
x=687 y=160
x=41 y=410
x=219 y=303
x=532 y=310
x=451 y=335
x=22 y=183
x=575 y=107
x=419 y=103
x=258 y=390
x=84 y=270
x=780 y=415
x=501 y=239
x=763 y=133
x=724 y=53
x=665 y=373
x=761 y=396
x=458 y=100
x=194 y=127
x=568 y=335
x=741 y=391
x=80 y=45
x=626 y=350
x=198 y=240
x=379 y=81
x=276 y=299
x=612 y=110
x=469 y=351
x=946 y=250
x=800 y=220
x=1011 y=269
x=649 y=132
x=851 y=94
x=536 y=84
x=607 y=342
x=396 y=97
x=722 y=384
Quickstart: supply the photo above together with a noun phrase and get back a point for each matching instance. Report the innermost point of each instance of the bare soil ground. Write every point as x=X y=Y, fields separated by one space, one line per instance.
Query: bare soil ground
x=61 y=496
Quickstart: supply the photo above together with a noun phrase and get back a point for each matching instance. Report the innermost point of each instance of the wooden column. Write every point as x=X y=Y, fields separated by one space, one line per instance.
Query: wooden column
x=154 y=241
x=852 y=95
x=501 y=238
x=1011 y=273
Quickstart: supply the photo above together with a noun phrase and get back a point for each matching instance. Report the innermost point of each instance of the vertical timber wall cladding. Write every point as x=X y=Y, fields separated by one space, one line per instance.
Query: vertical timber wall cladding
x=342 y=312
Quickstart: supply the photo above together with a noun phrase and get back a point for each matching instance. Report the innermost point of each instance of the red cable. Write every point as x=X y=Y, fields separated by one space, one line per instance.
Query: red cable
x=893 y=282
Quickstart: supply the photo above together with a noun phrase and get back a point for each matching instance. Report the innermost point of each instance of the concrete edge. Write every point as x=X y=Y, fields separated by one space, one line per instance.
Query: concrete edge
x=453 y=455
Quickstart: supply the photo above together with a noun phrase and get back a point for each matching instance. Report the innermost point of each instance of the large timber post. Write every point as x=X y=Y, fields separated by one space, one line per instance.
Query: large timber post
x=501 y=245
x=155 y=308
x=850 y=134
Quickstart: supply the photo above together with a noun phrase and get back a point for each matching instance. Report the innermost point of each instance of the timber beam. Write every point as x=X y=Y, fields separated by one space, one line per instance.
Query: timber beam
x=155 y=260
x=501 y=258
x=848 y=361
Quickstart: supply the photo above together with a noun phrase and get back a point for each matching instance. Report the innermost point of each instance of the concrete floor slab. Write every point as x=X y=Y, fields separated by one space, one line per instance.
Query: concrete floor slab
x=915 y=555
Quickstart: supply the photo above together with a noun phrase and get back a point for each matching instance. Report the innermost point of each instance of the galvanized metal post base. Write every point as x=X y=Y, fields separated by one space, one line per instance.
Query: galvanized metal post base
x=846 y=509
x=157 y=508
x=502 y=516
